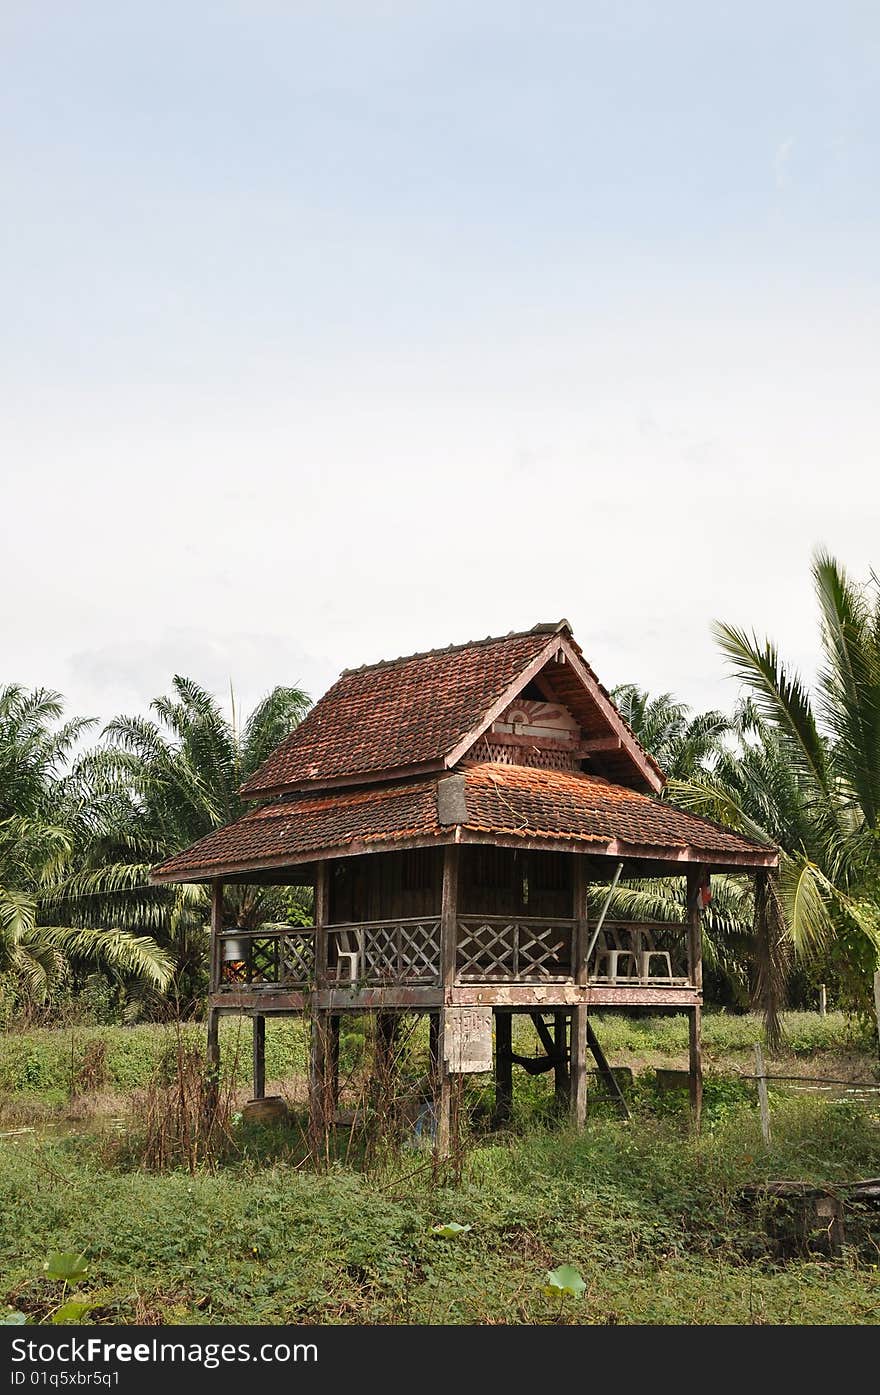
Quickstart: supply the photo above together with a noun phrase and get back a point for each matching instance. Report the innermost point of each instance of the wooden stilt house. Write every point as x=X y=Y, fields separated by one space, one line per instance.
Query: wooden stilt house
x=452 y=810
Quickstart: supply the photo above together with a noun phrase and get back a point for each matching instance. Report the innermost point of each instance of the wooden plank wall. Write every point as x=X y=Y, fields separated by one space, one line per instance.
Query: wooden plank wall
x=492 y=881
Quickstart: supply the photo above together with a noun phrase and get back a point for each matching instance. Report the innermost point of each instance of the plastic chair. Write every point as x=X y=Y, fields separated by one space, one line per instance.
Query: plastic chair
x=348 y=955
x=613 y=953
x=647 y=951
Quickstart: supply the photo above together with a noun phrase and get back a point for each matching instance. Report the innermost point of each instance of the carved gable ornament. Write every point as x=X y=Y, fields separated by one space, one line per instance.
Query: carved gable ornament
x=541 y=721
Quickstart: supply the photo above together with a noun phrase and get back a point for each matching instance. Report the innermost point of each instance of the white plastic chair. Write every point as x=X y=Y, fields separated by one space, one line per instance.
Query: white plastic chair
x=613 y=953
x=348 y=956
x=647 y=951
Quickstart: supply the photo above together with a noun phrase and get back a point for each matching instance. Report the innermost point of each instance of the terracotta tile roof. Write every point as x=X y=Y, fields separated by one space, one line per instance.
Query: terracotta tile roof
x=401 y=713
x=508 y=800
x=312 y=824
x=567 y=804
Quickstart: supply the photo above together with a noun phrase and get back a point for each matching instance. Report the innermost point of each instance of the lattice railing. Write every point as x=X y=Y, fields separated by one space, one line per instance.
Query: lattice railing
x=647 y=953
x=493 y=949
x=387 y=951
x=267 y=958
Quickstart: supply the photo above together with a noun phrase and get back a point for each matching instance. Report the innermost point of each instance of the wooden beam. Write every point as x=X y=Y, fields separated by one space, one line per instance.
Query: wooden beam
x=695 y=975
x=544 y=1035
x=541 y=996
x=598 y=743
x=532 y=743
x=612 y=1084
x=259 y=1052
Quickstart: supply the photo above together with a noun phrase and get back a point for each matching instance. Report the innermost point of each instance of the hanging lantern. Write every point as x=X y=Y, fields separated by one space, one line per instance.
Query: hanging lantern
x=705 y=890
x=233 y=958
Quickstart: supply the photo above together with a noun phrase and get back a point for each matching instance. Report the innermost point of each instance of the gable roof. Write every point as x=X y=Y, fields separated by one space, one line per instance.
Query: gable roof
x=516 y=805
x=423 y=712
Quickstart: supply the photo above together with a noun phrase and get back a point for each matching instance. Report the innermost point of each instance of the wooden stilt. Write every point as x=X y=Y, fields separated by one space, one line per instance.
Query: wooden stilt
x=387 y=1025
x=561 y=1082
x=577 y=1055
x=213 y=1045
x=333 y=1065
x=259 y=1056
x=503 y=1066
x=695 y=976
x=578 y=1067
x=695 y=1065
x=318 y=1092
x=213 y=1061
x=442 y=1098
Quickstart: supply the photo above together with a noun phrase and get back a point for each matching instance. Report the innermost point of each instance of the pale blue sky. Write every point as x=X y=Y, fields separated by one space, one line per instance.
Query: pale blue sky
x=332 y=331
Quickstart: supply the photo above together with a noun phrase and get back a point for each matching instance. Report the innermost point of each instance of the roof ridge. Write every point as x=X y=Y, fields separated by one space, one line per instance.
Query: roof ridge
x=542 y=628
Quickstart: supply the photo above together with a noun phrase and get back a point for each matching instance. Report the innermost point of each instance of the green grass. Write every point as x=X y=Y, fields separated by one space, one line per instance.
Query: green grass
x=648 y=1215
x=41 y=1063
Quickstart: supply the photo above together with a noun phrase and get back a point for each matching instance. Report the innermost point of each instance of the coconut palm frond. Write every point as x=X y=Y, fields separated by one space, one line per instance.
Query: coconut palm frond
x=849 y=681
x=127 y=955
x=781 y=698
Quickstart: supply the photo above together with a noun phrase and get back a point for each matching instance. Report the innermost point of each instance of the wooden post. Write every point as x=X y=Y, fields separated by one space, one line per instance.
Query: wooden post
x=763 y=1101
x=503 y=1066
x=578 y=1067
x=577 y=1056
x=213 y=1044
x=332 y=1086
x=381 y=1092
x=448 y=937
x=319 y=1122
x=823 y=1000
x=561 y=1084
x=695 y=977
x=322 y=897
x=216 y=932
x=214 y=1050
x=259 y=1056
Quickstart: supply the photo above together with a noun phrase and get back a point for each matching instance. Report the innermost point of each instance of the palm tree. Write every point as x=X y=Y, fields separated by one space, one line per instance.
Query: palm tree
x=156 y=785
x=680 y=742
x=807 y=775
x=36 y=845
